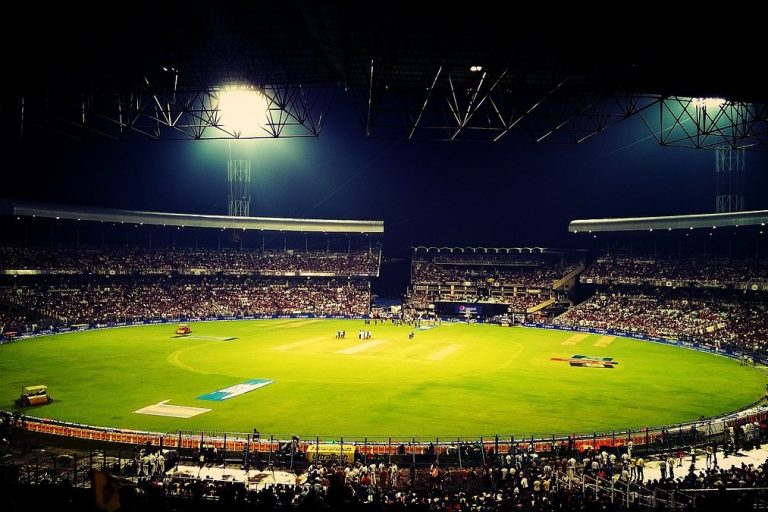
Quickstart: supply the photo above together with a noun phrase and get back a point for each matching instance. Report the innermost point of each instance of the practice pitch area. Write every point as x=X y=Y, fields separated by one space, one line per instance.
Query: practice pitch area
x=286 y=377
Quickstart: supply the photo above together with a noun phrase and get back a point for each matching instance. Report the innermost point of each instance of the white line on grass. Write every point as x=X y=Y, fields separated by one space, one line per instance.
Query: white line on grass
x=361 y=347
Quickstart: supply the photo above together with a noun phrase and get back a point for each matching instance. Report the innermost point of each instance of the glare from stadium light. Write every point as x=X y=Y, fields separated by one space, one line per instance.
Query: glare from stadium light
x=708 y=103
x=476 y=69
x=243 y=110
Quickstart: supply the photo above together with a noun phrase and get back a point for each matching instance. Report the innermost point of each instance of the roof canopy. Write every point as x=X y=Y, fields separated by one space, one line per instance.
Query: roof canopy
x=19 y=208
x=706 y=220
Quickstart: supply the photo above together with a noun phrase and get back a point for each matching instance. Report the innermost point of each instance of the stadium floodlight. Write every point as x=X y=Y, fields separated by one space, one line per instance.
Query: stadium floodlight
x=242 y=110
x=708 y=103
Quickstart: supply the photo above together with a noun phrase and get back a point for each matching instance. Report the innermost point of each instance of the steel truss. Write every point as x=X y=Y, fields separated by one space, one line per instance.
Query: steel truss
x=162 y=112
x=487 y=105
x=708 y=124
x=451 y=102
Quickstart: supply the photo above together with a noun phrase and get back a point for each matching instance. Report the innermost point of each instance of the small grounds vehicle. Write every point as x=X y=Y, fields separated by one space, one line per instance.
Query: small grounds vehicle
x=34 y=395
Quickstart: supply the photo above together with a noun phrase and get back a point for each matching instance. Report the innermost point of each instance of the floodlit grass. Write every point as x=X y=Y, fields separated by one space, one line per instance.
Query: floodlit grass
x=453 y=380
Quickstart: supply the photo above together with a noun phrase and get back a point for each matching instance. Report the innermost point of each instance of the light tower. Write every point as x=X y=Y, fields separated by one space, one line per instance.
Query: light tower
x=242 y=112
x=239 y=176
x=729 y=175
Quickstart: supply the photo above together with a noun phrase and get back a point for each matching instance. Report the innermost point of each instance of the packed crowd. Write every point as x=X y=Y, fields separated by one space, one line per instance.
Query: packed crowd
x=63 y=301
x=517 y=477
x=720 y=320
x=483 y=278
x=71 y=260
x=11 y=322
x=517 y=303
x=697 y=272
x=531 y=274
x=518 y=480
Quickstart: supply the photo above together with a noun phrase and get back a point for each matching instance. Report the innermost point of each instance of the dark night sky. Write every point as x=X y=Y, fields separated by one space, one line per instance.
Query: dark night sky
x=502 y=194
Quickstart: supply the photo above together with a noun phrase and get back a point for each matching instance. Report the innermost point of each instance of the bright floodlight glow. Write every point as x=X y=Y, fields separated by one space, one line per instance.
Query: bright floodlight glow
x=708 y=103
x=475 y=68
x=243 y=110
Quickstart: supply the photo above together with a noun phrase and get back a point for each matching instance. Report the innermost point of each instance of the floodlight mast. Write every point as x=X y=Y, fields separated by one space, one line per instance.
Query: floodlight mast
x=239 y=177
x=729 y=173
x=243 y=111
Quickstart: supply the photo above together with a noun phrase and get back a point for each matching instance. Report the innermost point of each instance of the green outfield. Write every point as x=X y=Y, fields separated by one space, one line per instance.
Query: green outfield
x=453 y=380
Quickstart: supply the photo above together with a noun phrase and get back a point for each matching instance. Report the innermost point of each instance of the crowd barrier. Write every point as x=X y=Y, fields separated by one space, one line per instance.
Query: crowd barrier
x=645 y=439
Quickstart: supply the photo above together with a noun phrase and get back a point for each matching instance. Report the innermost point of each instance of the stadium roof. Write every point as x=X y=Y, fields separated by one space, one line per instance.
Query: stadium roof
x=25 y=209
x=430 y=74
x=327 y=43
x=489 y=250
x=706 y=220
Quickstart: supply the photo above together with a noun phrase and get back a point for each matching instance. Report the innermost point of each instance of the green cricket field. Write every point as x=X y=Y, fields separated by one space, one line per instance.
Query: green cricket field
x=287 y=377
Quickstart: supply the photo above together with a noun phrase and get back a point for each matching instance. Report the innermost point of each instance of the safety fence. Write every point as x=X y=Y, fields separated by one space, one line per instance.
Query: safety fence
x=623 y=494
x=254 y=447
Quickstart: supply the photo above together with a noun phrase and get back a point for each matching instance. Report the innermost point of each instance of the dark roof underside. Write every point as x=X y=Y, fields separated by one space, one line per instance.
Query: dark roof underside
x=310 y=42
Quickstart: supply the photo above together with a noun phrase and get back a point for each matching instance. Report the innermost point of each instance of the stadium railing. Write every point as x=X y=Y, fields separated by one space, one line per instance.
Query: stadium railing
x=288 y=450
